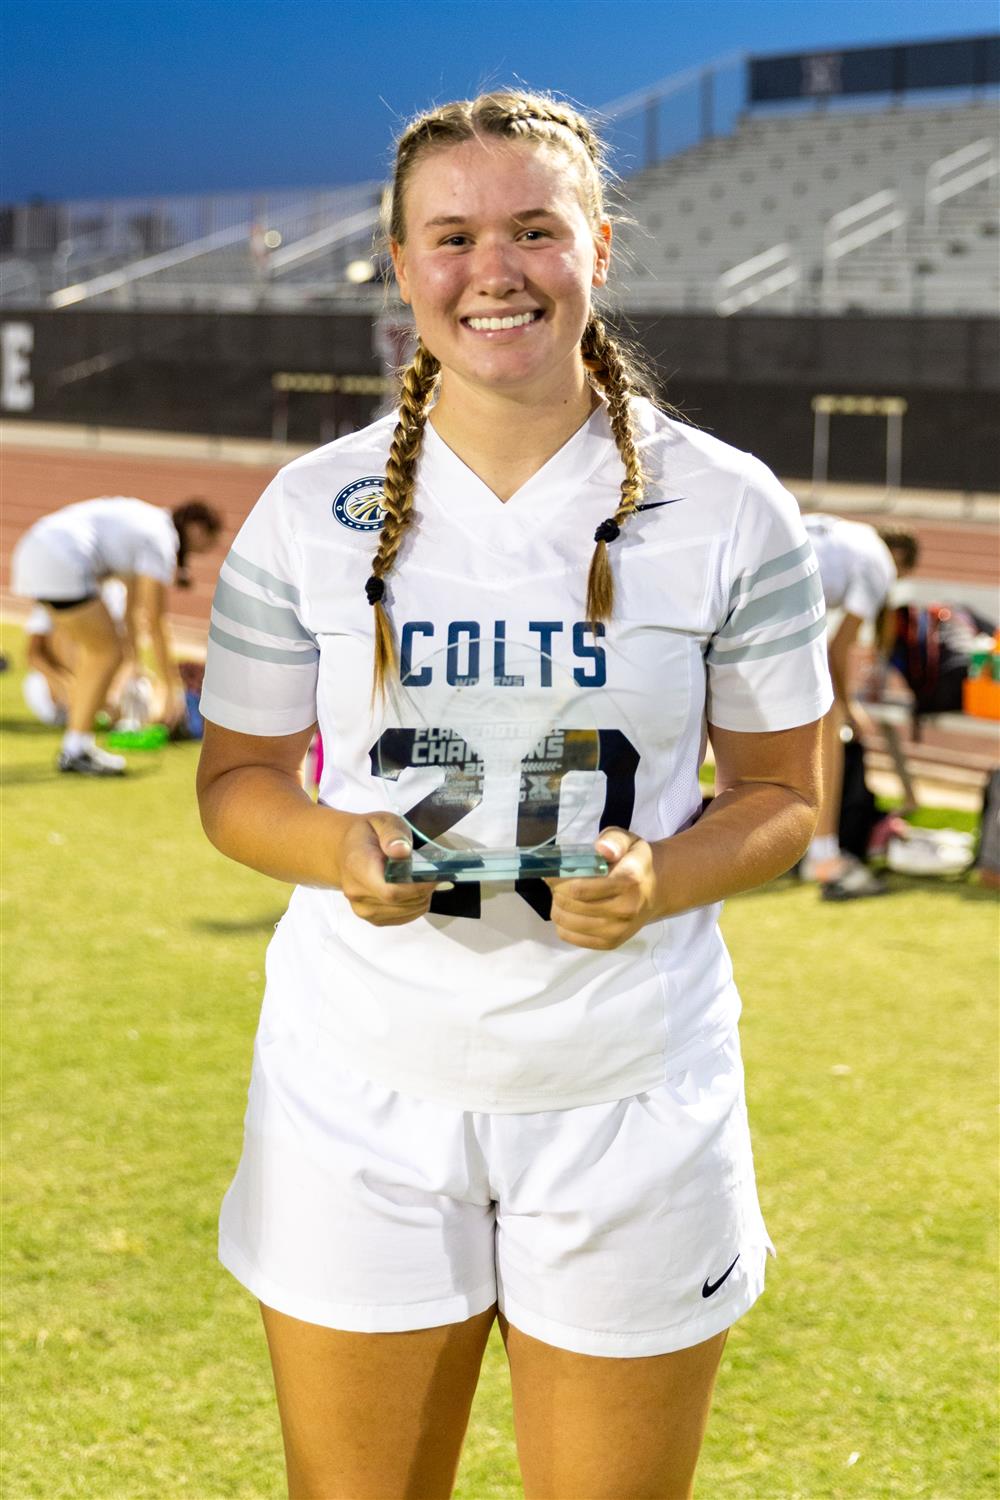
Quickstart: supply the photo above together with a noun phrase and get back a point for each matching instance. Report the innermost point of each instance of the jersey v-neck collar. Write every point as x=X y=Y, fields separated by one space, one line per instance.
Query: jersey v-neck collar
x=471 y=504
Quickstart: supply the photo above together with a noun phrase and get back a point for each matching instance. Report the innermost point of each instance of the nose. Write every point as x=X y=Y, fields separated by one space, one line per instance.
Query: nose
x=497 y=269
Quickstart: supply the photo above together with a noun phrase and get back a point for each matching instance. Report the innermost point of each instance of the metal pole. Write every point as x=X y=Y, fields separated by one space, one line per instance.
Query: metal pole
x=893 y=450
x=652 y=124
x=279 y=418
x=821 y=447
x=707 y=104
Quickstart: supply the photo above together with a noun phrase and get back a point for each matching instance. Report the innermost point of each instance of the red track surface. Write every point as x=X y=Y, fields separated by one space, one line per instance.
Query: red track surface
x=37 y=481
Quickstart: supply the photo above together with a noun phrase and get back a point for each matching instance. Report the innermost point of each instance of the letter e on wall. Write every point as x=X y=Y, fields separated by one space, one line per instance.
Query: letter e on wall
x=17 y=393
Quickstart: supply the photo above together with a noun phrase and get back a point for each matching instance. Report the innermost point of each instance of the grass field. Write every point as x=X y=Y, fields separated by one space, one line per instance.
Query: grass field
x=135 y=1367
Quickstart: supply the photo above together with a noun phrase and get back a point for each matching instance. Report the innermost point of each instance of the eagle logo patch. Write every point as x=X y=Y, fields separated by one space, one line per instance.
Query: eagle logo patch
x=359 y=506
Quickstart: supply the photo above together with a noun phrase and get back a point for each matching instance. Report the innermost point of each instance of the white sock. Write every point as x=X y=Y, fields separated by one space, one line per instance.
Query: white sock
x=824 y=848
x=75 y=740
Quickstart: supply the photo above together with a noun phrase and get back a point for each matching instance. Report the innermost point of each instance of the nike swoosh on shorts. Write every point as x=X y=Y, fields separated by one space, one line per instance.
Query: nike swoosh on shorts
x=711 y=1287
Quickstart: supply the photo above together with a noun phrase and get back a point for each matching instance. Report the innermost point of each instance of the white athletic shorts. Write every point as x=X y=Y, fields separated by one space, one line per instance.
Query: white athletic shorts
x=622 y=1229
x=48 y=568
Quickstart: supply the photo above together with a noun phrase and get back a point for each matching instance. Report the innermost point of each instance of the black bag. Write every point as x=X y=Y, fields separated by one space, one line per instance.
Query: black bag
x=933 y=645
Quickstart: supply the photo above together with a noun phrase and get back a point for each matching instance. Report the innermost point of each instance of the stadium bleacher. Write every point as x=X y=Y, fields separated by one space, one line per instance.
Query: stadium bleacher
x=819 y=211
x=788 y=237
x=780 y=181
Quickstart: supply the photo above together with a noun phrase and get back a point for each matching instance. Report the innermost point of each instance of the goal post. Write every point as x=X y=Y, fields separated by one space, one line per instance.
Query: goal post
x=334 y=413
x=892 y=408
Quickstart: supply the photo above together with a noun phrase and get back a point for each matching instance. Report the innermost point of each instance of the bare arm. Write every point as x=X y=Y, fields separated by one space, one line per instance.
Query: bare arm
x=255 y=809
x=839 y=656
x=758 y=824
x=147 y=608
x=760 y=821
x=148 y=605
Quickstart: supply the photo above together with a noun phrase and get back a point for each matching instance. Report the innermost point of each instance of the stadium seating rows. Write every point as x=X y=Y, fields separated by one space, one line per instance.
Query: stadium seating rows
x=777 y=180
x=780 y=179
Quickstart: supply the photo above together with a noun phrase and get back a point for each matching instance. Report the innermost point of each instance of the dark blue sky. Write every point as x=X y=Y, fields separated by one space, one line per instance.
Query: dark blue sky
x=115 y=97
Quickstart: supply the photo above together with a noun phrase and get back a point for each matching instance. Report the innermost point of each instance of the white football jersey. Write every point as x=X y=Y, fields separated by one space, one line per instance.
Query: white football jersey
x=856 y=568
x=114 y=535
x=718 y=616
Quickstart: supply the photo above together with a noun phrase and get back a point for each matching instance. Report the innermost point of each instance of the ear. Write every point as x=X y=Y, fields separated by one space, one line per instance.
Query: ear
x=398 y=253
x=602 y=251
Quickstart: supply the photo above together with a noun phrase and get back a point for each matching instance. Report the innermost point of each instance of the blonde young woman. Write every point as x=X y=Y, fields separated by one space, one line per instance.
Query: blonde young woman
x=521 y=1103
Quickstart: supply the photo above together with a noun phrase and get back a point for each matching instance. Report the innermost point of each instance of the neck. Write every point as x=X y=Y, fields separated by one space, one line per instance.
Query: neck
x=506 y=437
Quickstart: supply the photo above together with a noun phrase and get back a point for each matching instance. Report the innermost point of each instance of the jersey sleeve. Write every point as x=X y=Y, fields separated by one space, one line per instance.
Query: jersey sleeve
x=870 y=583
x=767 y=662
x=262 y=662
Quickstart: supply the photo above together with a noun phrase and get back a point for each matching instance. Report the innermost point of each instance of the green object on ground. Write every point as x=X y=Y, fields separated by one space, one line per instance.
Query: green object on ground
x=149 y=737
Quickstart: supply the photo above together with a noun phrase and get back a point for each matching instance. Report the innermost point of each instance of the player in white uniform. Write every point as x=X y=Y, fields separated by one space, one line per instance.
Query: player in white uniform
x=61 y=562
x=517 y=1101
x=858 y=566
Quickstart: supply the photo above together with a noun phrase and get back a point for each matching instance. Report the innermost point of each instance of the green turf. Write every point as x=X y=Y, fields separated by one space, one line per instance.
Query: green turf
x=135 y=1367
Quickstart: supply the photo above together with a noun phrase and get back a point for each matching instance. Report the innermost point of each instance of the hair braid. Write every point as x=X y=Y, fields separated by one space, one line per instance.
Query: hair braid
x=418 y=382
x=517 y=113
x=611 y=369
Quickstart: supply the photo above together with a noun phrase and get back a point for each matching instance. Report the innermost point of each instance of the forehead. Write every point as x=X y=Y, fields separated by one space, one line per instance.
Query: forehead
x=493 y=175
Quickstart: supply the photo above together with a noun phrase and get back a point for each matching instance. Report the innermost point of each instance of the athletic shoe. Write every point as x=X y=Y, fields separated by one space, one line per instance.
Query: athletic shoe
x=931 y=851
x=92 y=761
x=853 y=881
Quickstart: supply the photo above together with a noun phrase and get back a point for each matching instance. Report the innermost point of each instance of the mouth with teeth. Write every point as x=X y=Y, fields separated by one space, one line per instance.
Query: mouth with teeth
x=504 y=322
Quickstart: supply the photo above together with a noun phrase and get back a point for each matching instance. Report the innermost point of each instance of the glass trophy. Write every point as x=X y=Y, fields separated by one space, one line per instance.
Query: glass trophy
x=490 y=755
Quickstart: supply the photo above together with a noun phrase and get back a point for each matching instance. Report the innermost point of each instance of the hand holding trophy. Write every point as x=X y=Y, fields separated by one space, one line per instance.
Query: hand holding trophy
x=496 y=772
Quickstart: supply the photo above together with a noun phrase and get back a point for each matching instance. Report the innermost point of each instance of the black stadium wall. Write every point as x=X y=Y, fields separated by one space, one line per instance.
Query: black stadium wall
x=749 y=380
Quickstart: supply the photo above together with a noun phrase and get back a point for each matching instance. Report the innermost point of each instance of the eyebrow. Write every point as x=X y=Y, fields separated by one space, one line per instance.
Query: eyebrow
x=521 y=218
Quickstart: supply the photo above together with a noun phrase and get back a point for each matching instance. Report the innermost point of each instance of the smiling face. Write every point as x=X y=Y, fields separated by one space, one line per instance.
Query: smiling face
x=498 y=264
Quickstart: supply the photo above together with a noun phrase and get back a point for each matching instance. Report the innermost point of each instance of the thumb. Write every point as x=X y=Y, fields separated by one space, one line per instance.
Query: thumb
x=614 y=843
x=393 y=836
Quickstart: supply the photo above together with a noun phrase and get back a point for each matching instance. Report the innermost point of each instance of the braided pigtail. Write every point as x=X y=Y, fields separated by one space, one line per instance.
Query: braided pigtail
x=611 y=369
x=418 y=382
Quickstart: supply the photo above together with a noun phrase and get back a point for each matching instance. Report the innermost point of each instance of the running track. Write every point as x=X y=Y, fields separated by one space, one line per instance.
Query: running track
x=39 y=480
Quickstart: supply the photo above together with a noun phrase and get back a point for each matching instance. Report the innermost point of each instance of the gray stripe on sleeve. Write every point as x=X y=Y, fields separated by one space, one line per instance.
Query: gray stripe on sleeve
x=271 y=619
x=262 y=653
x=766 y=570
x=783 y=604
x=267 y=580
x=768 y=648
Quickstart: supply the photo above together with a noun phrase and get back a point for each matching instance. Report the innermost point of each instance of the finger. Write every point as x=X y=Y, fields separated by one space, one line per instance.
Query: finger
x=614 y=843
x=393 y=919
x=591 y=892
x=588 y=939
x=393 y=836
x=589 y=921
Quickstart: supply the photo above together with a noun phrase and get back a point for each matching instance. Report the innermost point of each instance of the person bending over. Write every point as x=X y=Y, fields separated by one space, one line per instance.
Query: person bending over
x=62 y=560
x=858 y=566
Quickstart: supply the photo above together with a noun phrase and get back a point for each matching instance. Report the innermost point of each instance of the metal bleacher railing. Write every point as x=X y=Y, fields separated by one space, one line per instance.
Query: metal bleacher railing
x=214 y=249
x=725 y=209
x=866 y=209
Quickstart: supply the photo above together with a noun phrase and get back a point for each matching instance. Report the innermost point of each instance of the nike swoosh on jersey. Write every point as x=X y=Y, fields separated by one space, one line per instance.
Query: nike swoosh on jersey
x=711 y=1287
x=655 y=504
